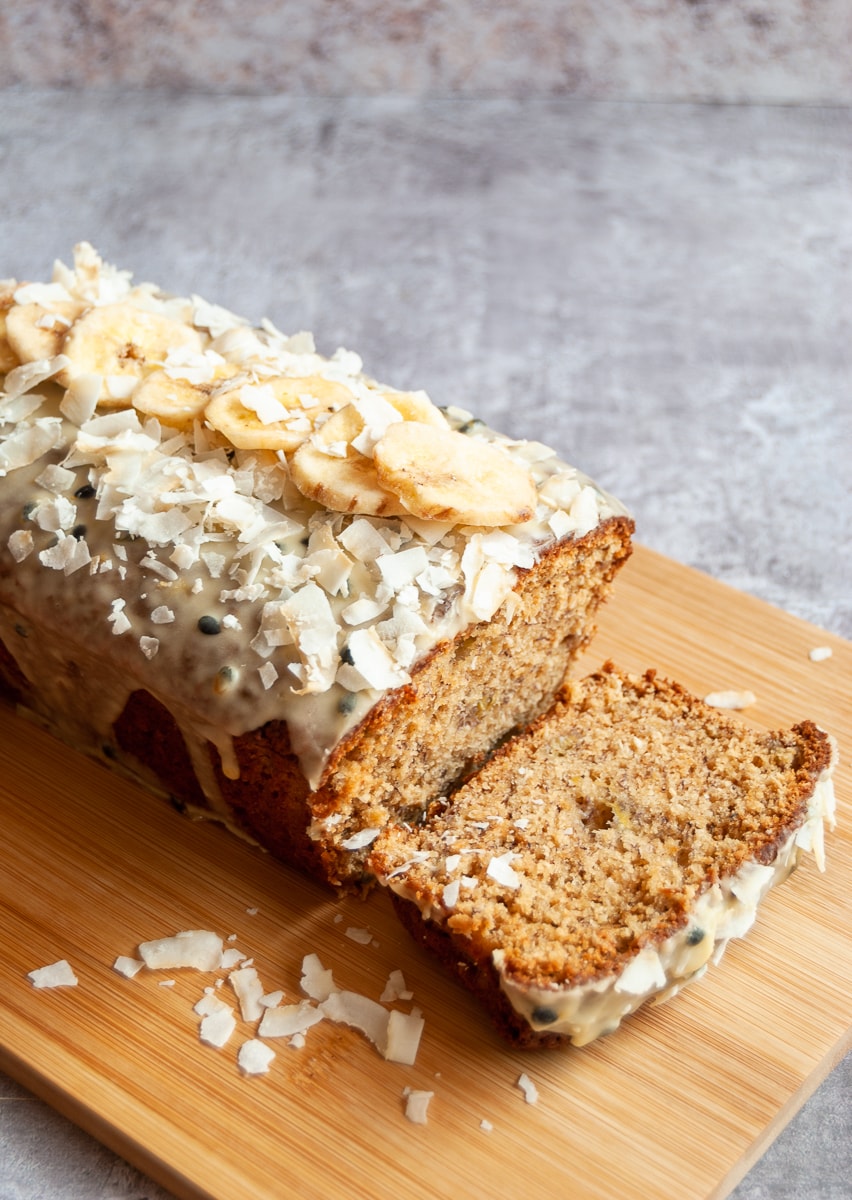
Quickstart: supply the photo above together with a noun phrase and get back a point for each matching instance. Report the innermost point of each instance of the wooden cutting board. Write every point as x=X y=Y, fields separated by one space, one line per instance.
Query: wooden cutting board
x=678 y=1103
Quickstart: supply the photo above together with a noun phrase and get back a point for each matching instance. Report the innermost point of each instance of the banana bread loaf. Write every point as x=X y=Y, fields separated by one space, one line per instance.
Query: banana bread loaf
x=606 y=855
x=266 y=584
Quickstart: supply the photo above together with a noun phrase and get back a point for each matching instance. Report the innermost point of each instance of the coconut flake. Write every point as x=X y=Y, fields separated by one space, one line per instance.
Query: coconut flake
x=56 y=479
x=210 y=1003
x=217 y=1026
x=395 y=988
x=584 y=511
x=81 y=399
x=644 y=973
x=364 y=609
x=316 y=981
x=312 y=625
x=416 y=1105
x=351 y=1008
x=128 y=967
x=404 y=1031
x=249 y=990
x=362 y=936
x=149 y=646
x=68 y=554
x=29 y=442
x=402 y=568
x=528 y=1088
x=58 y=974
x=254 y=1057
x=268 y=675
x=500 y=870
x=363 y=541
x=20 y=544
x=117 y=617
x=196 y=948
x=261 y=399
x=820 y=653
x=372 y=666
x=30 y=374
x=364 y=837
x=290 y=1020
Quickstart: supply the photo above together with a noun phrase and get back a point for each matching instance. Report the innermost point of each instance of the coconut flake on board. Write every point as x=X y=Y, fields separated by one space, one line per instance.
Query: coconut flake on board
x=58 y=974
x=416 y=1105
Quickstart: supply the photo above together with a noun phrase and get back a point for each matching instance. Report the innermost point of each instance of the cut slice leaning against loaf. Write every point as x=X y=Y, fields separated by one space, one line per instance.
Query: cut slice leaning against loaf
x=607 y=855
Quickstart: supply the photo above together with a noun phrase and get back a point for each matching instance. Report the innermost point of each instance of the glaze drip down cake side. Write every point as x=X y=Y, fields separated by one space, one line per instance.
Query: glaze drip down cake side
x=266 y=584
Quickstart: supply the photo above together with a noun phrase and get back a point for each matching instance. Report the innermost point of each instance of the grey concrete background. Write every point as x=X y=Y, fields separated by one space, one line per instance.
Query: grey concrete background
x=783 y=51
x=663 y=291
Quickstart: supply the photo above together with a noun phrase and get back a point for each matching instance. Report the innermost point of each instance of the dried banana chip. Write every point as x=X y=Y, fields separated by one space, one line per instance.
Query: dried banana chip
x=278 y=414
x=442 y=475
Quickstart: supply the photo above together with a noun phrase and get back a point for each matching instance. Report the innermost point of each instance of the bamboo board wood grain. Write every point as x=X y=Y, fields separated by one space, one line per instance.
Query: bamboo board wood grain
x=678 y=1103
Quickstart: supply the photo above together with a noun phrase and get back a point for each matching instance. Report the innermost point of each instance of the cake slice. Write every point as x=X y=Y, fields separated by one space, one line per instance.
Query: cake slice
x=287 y=595
x=606 y=855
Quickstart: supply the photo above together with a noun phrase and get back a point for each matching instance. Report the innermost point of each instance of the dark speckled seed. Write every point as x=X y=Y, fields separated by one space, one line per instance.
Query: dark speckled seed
x=209 y=625
x=86 y=492
x=544 y=1016
x=27 y=510
x=347 y=704
x=346 y=656
x=695 y=936
x=21 y=630
x=79 y=531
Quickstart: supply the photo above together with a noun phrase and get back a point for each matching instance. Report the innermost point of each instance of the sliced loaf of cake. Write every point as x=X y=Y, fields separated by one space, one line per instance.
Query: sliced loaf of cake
x=606 y=856
x=288 y=595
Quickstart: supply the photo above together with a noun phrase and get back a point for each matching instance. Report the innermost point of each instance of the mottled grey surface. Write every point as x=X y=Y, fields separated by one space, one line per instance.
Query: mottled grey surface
x=788 y=51
x=662 y=291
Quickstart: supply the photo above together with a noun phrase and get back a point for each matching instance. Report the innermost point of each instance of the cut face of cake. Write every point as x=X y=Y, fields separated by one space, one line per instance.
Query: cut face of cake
x=277 y=590
x=606 y=855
